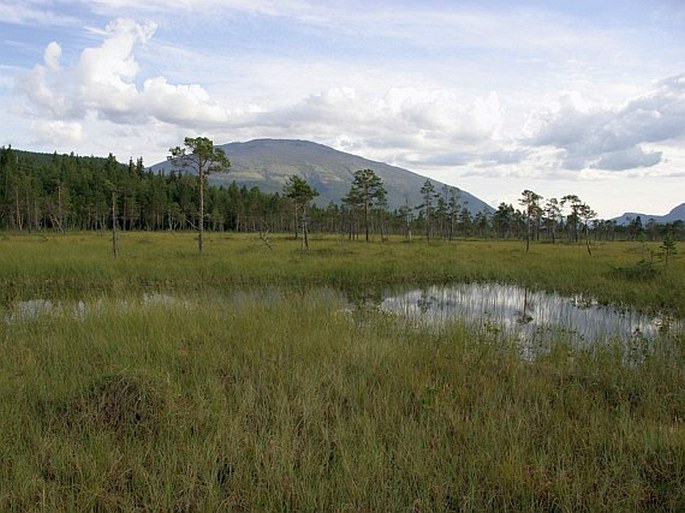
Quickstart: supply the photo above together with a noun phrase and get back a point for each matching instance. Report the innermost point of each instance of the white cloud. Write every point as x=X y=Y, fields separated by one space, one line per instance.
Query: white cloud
x=180 y=104
x=104 y=83
x=444 y=114
x=40 y=85
x=201 y=8
x=613 y=138
x=403 y=119
x=52 y=55
x=630 y=158
x=30 y=14
x=58 y=133
x=106 y=75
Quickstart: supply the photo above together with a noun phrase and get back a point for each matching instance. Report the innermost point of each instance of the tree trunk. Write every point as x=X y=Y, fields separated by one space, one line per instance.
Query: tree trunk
x=305 y=235
x=201 y=221
x=17 y=211
x=115 y=242
x=587 y=240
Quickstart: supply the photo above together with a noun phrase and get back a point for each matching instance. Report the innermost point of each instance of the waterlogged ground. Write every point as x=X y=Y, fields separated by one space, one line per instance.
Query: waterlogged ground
x=312 y=399
x=33 y=309
x=534 y=318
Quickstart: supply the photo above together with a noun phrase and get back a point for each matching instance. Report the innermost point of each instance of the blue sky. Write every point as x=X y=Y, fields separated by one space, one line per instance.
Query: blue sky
x=566 y=97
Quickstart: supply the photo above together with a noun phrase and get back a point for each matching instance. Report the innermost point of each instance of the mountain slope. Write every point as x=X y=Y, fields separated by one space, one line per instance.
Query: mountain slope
x=267 y=164
x=677 y=214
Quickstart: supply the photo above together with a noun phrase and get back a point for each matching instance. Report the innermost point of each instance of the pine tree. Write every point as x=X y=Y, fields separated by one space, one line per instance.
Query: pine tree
x=202 y=158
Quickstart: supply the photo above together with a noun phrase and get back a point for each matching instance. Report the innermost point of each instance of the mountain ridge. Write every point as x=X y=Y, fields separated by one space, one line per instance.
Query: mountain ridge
x=676 y=214
x=267 y=164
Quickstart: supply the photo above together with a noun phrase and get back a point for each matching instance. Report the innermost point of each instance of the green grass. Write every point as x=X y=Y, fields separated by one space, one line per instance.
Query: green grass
x=81 y=264
x=284 y=401
x=290 y=405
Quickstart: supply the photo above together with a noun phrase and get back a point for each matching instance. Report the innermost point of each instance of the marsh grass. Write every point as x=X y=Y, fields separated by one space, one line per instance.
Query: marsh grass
x=171 y=390
x=78 y=265
x=292 y=404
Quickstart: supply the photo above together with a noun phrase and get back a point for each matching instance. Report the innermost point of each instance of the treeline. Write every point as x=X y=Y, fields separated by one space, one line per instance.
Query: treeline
x=68 y=192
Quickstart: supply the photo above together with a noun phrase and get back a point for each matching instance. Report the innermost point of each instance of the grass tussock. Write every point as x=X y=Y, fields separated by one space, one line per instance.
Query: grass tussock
x=292 y=403
x=121 y=404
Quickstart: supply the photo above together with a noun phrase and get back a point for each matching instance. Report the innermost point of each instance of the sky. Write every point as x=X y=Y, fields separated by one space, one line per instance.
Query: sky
x=583 y=97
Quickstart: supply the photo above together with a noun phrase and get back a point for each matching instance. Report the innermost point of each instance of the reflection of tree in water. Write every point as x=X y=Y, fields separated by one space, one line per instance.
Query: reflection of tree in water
x=666 y=324
x=580 y=301
x=524 y=316
x=364 y=300
x=432 y=301
x=532 y=317
x=424 y=302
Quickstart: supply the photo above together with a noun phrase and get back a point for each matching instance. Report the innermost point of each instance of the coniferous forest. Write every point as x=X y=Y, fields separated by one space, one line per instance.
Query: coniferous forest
x=70 y=192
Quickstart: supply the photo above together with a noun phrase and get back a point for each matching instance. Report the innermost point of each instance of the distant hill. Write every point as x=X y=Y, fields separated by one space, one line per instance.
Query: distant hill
x=43 y=159
x=267 y=164
x=677 y=214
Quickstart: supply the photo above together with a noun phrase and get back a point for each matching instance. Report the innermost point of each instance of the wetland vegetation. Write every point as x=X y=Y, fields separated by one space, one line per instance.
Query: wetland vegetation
x=253 y=378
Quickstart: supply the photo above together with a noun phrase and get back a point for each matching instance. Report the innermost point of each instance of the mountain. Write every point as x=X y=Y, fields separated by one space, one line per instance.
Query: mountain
x=267 y=164
x=677 y=214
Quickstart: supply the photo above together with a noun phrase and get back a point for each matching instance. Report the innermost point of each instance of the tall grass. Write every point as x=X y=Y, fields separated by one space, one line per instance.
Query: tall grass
x=280 y=399
x=289 y=403
x=81 y=264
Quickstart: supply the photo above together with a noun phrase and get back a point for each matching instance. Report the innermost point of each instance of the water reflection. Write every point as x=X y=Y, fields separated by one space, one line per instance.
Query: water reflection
x=535 y=318
x=30 y=309
x=34 y=309
x=528 y=315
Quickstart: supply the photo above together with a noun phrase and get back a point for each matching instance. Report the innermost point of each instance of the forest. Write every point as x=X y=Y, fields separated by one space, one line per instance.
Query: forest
x=69 y=193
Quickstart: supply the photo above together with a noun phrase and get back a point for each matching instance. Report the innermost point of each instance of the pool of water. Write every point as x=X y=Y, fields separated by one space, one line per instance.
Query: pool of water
x=530 y=316
x=533 y=317
x=35 y=308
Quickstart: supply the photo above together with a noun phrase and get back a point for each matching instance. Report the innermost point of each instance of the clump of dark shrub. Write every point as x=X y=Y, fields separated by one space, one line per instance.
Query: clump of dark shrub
x=643 y=270
x=121 y=404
